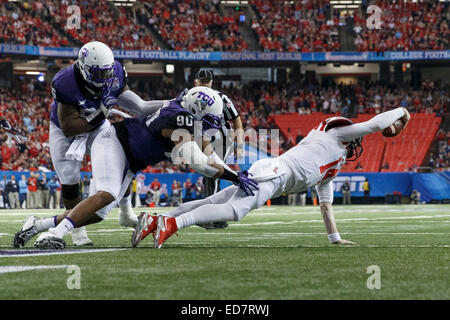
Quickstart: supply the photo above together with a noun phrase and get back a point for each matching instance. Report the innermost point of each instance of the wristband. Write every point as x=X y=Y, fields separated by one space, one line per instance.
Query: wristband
x=230 y=176
x=98 y=120
x=334 y=237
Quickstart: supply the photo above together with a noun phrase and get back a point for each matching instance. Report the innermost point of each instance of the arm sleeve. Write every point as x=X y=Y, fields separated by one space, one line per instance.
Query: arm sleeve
x=377 y=123
x=229 y=110
x=134 y=104
x=325 y=192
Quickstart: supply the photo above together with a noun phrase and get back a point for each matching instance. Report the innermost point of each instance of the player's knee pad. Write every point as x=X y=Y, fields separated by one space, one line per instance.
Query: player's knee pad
x=70 y=191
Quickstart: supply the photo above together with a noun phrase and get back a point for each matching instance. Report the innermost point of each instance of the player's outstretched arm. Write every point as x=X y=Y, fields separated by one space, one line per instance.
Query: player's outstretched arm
x=71 y=123
x=131 y=102
x=330 y=224
x=325 y=193
x=377 y=123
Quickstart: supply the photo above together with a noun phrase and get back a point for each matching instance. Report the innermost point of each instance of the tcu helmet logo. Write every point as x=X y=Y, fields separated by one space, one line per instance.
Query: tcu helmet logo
x=204 y=100
x=84 y=54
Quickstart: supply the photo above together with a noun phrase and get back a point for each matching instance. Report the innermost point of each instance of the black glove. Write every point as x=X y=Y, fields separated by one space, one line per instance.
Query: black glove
x=245 y=183
x=10 y=131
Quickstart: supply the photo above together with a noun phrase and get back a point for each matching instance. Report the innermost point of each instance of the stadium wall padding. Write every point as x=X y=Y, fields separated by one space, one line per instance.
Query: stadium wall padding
x=432 y=186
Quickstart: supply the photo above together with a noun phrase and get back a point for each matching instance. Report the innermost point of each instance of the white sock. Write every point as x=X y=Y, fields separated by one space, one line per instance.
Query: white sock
x=45 y=223
x=205 y=214
x=125 y=202
x=63 y=227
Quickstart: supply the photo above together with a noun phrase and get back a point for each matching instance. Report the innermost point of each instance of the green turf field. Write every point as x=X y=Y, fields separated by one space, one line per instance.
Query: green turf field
x=274 y=253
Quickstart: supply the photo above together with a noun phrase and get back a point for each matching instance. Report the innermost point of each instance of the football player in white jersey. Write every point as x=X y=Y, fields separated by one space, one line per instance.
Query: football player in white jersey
x=315 y=161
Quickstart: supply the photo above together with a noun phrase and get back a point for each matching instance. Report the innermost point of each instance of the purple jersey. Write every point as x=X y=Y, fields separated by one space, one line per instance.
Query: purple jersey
x=68 y=87
x=142 y=140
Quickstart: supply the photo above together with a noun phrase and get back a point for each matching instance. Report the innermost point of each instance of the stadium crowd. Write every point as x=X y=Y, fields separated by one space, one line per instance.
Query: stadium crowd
x=295 y=26
x=406 y=26
x=257 y=101
x=194 y=26
x=441 y=160
x=304 y=26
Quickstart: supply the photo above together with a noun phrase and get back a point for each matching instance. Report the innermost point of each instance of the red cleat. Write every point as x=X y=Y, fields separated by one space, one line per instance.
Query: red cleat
x=167 y=226
x=146 y=225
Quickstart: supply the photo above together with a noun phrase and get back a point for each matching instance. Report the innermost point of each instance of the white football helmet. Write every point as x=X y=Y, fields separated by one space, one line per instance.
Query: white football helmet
x=201 y=101
x=96 y=63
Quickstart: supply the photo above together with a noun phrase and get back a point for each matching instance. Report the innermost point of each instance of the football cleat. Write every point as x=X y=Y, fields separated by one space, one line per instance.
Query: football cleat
x=49 y=240
x=147 y=224
x=83 y=241
x=27 y=232
x=214 y=225
x=127 y=217
x=80 y=237
x=166 y=227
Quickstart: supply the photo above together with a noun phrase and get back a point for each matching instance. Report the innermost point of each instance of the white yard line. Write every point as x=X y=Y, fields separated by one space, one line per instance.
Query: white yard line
x=13 y=253
x=9 y=269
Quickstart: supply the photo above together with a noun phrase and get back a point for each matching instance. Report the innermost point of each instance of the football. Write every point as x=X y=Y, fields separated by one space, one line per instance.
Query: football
x=394 y=129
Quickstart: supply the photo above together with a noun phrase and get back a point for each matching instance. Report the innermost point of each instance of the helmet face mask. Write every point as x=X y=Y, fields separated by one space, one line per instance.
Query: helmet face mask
x=210 y=121
x=354 y=149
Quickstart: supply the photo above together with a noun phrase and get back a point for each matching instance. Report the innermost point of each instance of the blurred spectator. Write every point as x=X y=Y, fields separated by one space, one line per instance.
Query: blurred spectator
x=23 y=190
x=32 y=196
x=345 y=189
x=177 y=193
x=45 y=193
x=163 y=196
x=4 y=194
x=12 y=189
x=199 y=188
x=133 y=192
x=53 y=199
x=188 y=190
x=155 y=187
x=366 y=189
x=292 y=199
x=415 y=197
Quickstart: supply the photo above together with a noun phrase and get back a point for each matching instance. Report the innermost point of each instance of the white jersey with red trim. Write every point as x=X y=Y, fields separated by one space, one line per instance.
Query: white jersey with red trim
x=319 y=157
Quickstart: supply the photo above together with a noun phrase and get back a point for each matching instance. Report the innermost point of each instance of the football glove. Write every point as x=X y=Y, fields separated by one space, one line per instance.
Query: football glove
x=245 y=183
x=10 y=131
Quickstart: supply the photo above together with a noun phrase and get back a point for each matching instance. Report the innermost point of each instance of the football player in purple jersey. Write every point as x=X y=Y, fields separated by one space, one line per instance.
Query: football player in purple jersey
x=133 y=144
x=83 y=94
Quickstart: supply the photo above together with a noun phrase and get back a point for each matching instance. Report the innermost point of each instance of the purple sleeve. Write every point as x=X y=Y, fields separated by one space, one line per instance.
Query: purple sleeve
x=64 y=88
x=121 y=79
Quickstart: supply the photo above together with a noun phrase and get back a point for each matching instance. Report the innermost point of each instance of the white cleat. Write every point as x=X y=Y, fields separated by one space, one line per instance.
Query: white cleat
x=27 y=232
x=49 y=240
x=127 y=217
x=80 y=237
